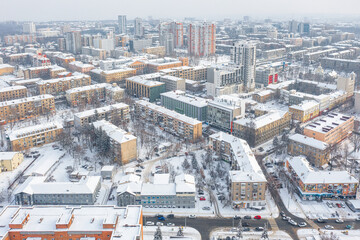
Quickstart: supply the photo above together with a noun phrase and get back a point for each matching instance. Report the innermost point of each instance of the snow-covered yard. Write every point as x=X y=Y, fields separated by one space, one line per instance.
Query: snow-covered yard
x=304 y=234
x=226 y=232
x=167 y=232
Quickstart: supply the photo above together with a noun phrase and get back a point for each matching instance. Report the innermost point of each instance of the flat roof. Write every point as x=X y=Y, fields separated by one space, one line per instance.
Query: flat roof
x=188 y=99
x=34 y=130
x=100 y=110
x=272 y=116
x=328 y=123
x=309 y=141
x=12 y=88
x=28 y=99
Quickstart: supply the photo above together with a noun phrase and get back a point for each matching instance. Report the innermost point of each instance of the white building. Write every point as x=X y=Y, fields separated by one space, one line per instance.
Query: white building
x=201 y=39
x=29 y=28
x=122 y=23
x=138 y=27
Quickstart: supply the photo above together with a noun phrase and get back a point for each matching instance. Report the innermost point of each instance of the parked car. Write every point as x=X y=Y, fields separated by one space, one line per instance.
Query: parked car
x=202 y=199
x=221 y=197
x=282 y=213
x=245 y=224
x=257 y=217
x=159 y=224
x=259 y=229
x=206 y=208
x=348 y=227
x=192 y=216
x=170 y=216
x=329 y=227
x=161 y=218
x=285 y=218
x=339 y=220
x=292 y=222
x=246 y=229
x=236 y=217
x=149 y=223
x=302 y=224
x=328 y=204
x=247 y=217
x=321 y=220
x=171 y=224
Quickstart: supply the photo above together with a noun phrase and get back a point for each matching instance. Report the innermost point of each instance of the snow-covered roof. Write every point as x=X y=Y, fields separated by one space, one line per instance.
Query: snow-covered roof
x=185 y=178
x=12 y=88
x=130 y=187
x=115 y=133
x=28 y=99
x=312 y=142
x=308 y=175
x=2 y=66
x=244 y=157
x=129 y=178
x=149 y=189
x=107 y=168
x=65 y=79
x=7 y=155
x=169 y=113
x=34 y=130
x=145 y=80
x=272 y=116
x=328 y=123
x=240 y=176
x=305 y=105
x=81 y=64
x=163 y=178
x=100 y=110
x=264 y=93
x=86 y=88
x=191 y=100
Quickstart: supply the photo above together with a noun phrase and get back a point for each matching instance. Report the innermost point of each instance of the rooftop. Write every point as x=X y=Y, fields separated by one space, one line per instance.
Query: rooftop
x=305 y=105
x=100 y=110
x=309 y=141
x=28 y=99
x=34 y=130
x=272 y=116
x=188 y=99
x=86 y=88
x=12 y=88
x=328 y=123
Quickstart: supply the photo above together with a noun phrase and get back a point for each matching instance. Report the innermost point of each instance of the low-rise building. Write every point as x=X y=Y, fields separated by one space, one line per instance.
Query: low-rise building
x=114 y=75
x=6 y=69
x=191 y=106
x=173 y=83
x=263 y=128
x=10 y=160
x=319 y=185
x=14 y=92
x=141 y=86
x=305 y=111
x=35 y=191
x=83 y=222
x=122 y=142
x=120 y=111
x=197 y=73
x=263 y=96
x=45 y=72
x=158 y=51
x=108 y=172
x=23 y=108
x=58 y=86
x=248 y=183
x=331 y=129
x=34 y=136
x=317 y=152
x=169 y=120
x=78 y=66
x=159 y=194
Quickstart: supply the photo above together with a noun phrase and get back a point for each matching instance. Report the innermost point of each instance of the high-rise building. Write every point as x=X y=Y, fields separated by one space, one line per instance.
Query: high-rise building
x=171 y=36
x=243 y=54
x=73 y=42
x=29 y=28
x=138 y=27
x=293 y=26
x=122 y=23
x=201 y=39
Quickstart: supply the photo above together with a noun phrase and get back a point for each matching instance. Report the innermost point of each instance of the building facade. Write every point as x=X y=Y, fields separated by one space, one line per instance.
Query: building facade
x=201 y=39
x=61 y=85
x=140 y=86
x=10 y=160
x=305 y=111
x=14 y=92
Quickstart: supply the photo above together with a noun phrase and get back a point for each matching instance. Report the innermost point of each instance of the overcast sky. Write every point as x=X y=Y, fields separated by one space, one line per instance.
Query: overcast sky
x=45 y=10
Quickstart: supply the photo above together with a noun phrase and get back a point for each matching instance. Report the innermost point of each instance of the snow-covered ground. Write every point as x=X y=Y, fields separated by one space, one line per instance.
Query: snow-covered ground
x=226 y=232
x=167 y=232
x=304 y=234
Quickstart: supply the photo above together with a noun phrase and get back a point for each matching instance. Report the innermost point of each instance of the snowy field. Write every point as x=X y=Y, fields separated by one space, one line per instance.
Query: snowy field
x=226 y=232
x=167 y=232
x=305 y=234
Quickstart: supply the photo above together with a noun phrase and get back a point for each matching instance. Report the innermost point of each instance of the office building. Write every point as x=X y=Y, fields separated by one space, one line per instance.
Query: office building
x=122 y=142
x=64 y=222
x=305 y=111
x=122 y=24
x=138 y=28
x=265 y=76
x=243 y=54
x=201 y=39
x=191 y=106
x=14 y=92
x=171 y=121
x=34 y=136
x=247 y=181
x=58 y=86
x=223 y=80
x=9 y=161
x=173 y=83
x=73 y=42
x=142 y=86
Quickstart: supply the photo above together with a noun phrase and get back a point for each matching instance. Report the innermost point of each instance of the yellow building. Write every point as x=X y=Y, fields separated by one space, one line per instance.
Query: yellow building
x=123 y=143
x=116 y=75
x=24 y=108
x=158 y=51
x=10 y=160
x=305 y=111
x=86 y=94
x=61 y=85
x=34 y=136
x=45 y=72
x=157 y=65
x=14 y=92
x=171 y=121
x=192 y=73
x=144 y=86
x=6 y=69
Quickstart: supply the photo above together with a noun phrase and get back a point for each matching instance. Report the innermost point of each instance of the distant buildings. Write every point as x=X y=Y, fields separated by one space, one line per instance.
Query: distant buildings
x=248 y=183
x=34 y=136
x=201 y=39
x=73 y=42
x=29 y=28
x=171 y=36
x=171 y=121
x=138 y=28
x=319 y=185
x=331 y=129
x=122 y=24
x=58 y=86
x=35 y=191
x=9 y=161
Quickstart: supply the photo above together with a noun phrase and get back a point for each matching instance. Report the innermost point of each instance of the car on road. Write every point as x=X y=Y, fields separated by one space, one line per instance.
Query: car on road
x=358 y=218
x=282 y=214
x=292 y=222
x=321 y=220
x=149 y=223
x=329 y=204
x=202 y=198
x=138 y=170
x=206 y=208
x=302 y=224
x=339 y=220
x=159 y=224
x=348 y=227
x=161 y=218
x=192 y=216
x=159 y=215
x=247 y=217
x=257 y=217
x=236 y=217
x=342 y=205
x=221 y=197
x=171 y=224
x=246 y=229
x=170 y=215
x=245 y=224
x=329 y=227
x=259 y=229
x=285 y=218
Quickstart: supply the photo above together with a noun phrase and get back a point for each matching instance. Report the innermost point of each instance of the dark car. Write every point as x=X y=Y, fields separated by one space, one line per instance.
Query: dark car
x=247 y=217
x=259 y=229
x=282 y=213
x=160 y=218
x=170 y=216
x=236 y=217
x=246 y=229
x=245 y=224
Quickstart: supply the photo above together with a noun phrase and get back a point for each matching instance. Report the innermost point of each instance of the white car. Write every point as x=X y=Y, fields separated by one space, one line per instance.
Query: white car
x=171 y=224
x=192 y=216
x=149 y=223
x=159 y=224
x=302 y=224
x=329 y=227
x=339 y=220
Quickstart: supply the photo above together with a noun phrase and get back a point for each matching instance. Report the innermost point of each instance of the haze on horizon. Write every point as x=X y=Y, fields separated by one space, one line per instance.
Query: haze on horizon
x=41 y=10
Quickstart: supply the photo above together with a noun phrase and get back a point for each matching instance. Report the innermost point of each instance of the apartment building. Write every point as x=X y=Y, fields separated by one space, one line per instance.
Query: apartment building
x=114 y=75
x=347 y=84
x=263 y=96
x=173 y=83
x=61 y=85
x=158 y=51
x=123 y=143
x=248 y=183
x=317 y=152
x=118 y=110
x=64 y=222
x=221 y=113
x=86 y=94
x=81 y=67
x=6 y=69
x=171 y=121
x=201 y=39
x=160 y=194
x=142 y=86
x=14 y=92
x=45 y=72
x=263 y=128
x=319 y=185
x=23 y=108
x=34 y=136
x=156 y=65
x=9 y=161
x=191 y=106
x=305 y=111
x=331 y=129
x=36 y=191
x=197 y=73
